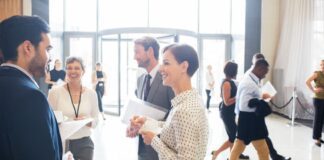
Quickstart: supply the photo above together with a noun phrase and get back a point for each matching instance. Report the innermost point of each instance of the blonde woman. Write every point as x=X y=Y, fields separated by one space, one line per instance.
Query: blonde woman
x=77 y=102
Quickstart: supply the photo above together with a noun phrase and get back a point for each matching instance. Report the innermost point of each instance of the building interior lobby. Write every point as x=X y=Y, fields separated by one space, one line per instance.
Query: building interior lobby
x=289 y=33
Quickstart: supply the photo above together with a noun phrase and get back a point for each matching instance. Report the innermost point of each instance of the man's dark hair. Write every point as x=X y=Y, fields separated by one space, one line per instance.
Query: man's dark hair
x=258 y=56
x=148 y=42
x=261 y=63
x=17 y=29
x=230 y=69
x=184 y=52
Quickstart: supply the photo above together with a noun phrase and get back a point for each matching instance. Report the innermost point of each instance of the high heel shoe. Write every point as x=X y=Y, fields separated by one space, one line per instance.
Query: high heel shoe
x=318 y=144
x=214 y=155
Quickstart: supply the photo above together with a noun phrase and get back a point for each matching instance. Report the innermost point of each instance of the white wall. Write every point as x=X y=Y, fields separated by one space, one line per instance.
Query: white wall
x=27 y=7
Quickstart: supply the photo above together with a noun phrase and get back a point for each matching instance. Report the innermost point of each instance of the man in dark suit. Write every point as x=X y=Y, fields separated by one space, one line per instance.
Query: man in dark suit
x=28 y=128
x=149 y=86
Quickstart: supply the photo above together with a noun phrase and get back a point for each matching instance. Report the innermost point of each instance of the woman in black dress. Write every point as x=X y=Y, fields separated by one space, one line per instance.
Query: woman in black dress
x=227 y=106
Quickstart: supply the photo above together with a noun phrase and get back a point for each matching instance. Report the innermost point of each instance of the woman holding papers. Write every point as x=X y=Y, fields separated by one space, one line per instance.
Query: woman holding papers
x=184 y=135
x=56 y=75
x=76 y=102
x=318 y=90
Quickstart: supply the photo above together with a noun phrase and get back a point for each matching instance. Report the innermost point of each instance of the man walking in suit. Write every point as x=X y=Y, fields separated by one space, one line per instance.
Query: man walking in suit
x=149 y=86
x=28 y=128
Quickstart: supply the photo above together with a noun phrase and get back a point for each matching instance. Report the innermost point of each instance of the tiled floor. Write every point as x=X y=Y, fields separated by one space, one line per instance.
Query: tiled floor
x=111 y=143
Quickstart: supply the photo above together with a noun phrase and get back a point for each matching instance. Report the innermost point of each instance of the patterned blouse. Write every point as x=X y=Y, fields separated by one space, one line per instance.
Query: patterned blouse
x=185 y=133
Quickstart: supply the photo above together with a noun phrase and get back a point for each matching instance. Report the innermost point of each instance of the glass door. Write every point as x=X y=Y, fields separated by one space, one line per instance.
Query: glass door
x=82 y=47
x=214 y=53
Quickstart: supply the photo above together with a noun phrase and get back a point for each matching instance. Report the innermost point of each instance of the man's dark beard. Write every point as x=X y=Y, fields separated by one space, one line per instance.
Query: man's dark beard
x=36 y=67
x=145 y=64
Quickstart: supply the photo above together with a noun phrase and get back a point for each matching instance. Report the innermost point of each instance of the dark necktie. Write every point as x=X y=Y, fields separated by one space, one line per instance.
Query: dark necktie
x=147 y=86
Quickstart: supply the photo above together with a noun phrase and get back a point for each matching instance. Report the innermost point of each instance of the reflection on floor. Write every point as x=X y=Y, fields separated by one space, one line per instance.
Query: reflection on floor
x=111 y=143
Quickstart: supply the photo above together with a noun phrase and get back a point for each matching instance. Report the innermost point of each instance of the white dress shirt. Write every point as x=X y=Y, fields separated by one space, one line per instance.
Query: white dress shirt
x=59 y=99
x=185 y=133
x=248 y=88
x=209 y=80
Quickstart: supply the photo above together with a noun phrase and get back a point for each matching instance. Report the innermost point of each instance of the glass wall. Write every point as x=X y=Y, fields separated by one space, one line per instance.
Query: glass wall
x=113 y=24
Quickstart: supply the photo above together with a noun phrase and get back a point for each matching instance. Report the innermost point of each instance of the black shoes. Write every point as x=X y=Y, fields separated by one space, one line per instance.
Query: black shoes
x=244 y=157
x=280 y=157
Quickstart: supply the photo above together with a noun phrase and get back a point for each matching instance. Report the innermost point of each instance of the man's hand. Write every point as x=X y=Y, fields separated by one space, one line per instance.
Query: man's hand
x=135 y=124
x=266 y=96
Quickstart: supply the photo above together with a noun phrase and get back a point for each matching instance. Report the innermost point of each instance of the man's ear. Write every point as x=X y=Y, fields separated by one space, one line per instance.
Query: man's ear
x=27 y=48
x=150 y=51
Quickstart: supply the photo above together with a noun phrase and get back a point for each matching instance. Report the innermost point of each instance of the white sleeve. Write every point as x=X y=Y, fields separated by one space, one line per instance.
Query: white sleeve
x=52 y=98
x=94 y=108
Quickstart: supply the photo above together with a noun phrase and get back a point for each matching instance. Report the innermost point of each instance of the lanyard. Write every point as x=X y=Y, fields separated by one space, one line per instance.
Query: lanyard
x=76 y=111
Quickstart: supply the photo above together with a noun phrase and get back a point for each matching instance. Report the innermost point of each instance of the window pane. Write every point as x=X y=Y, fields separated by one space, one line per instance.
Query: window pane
x=56 y=15
x=57 y=51
x=214 y=55
x=85 y=52
x=238 y=17
x=122 y=13
x=80 y=15
x=174 y=14
x=215 y=16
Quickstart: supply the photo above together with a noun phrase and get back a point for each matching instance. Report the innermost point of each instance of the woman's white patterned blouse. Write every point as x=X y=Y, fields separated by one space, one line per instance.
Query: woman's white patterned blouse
x=185 y=133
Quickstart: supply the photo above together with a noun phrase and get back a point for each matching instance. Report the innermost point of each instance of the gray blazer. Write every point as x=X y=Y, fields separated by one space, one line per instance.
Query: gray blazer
x=159 y=95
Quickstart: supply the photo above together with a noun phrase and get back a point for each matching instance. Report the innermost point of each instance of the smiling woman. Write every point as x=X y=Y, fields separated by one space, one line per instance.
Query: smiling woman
x=76 y=102
x=184 y=134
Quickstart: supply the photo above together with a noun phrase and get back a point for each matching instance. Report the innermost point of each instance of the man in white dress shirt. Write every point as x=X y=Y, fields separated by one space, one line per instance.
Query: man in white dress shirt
x=251 y=128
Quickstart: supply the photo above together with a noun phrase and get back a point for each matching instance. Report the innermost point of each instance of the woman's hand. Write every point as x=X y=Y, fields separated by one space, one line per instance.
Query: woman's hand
x=318 y=90
x=80 y=118
x=147 y=137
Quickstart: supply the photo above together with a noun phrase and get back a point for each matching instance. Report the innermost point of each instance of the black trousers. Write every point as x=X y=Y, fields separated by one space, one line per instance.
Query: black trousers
x=273 y=153
x=319 y=118
x=208 y=98
x=100 y=89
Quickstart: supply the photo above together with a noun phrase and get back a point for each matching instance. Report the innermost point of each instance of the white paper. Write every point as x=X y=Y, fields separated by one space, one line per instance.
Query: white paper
x=268 y=88
x=68 y=128
x=142 y=108
x=59 y=82
x=151 y=125
x=59 y=116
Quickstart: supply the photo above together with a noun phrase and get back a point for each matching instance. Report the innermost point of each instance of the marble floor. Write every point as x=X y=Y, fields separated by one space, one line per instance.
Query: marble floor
x=296 y=142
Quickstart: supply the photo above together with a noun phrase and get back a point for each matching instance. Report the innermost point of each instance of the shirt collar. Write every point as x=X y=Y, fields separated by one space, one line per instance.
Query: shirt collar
x=183 y=96
x=22 y=70
x=154 y=71
x=255 y=78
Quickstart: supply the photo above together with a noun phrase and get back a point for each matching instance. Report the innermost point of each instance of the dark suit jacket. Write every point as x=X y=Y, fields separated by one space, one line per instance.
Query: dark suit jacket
x=159 y=95
x=28 y=128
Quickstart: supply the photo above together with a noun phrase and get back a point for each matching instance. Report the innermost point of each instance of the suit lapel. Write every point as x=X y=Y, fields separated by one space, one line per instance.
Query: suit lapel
x=140 y=86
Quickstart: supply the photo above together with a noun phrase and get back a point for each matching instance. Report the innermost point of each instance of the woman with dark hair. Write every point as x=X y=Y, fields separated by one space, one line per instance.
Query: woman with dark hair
x=99 y=80
x=55 y=74
x=184 y=135
x=318 y=90
x=227 y=106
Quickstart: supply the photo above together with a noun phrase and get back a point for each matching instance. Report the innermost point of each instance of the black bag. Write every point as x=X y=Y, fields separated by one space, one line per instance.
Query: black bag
x=262 y=107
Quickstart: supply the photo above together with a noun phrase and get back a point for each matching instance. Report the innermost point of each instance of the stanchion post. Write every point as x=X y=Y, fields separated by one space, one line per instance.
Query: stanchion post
x=293 y=112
